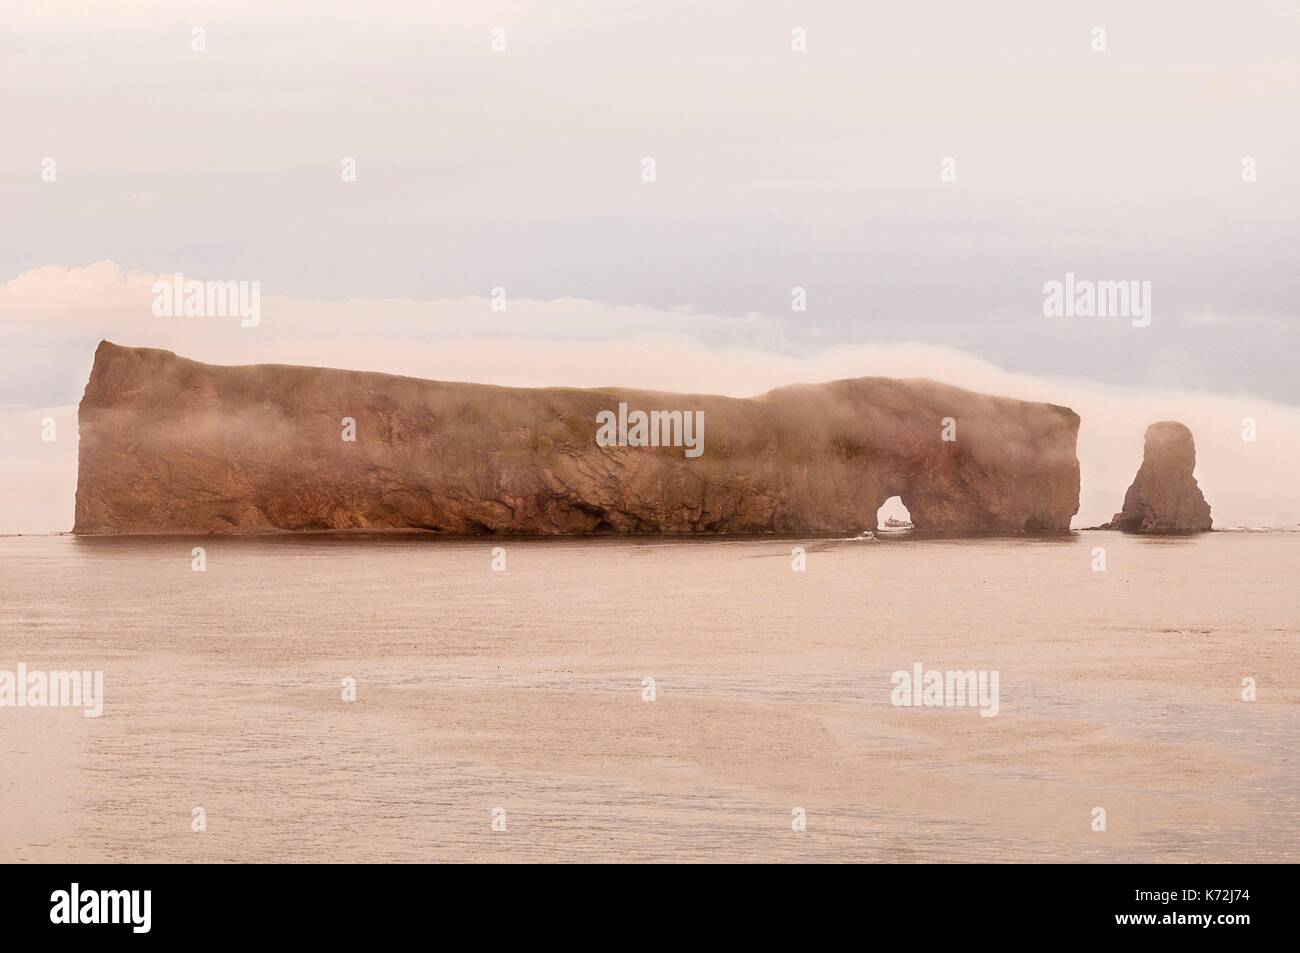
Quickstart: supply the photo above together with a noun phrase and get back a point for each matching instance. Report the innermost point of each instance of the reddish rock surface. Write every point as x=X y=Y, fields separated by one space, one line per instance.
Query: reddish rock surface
x=1164 y=497
x=172 y=445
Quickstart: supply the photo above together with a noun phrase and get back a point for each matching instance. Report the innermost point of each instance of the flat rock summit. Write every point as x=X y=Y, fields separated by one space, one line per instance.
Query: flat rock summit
x=169 y=445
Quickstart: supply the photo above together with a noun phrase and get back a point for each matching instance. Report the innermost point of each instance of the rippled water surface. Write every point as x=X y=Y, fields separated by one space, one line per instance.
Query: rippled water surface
x=523 y=690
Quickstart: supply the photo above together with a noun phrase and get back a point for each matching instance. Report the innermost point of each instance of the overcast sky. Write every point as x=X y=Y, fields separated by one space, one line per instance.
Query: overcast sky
x=774 y=168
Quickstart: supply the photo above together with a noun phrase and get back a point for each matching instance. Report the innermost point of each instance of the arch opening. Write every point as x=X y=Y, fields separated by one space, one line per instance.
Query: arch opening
x=893 y=516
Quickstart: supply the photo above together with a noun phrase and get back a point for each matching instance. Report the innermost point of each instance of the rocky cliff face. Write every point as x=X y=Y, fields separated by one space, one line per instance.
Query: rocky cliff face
x=171 y=445
x=1164 y=497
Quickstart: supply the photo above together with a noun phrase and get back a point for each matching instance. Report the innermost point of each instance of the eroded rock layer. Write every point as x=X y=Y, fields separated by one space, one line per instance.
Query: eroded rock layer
x=172 y=445
x=1165 y=497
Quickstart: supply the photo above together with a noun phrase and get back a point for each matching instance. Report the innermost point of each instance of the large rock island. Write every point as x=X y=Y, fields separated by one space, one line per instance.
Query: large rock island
x=170 y=445
x=1164 y=496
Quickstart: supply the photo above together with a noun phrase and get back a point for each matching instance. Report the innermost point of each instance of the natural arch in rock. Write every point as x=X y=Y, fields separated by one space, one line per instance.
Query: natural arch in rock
x=892 y=508
x=170 y=445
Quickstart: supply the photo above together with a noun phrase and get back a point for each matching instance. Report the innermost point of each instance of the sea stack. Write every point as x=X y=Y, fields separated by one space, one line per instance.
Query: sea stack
x=1164 y=497
x=170 y=445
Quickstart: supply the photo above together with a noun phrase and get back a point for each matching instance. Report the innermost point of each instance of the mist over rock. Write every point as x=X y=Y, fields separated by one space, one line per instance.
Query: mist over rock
x=1164 y=497
x=169 y=445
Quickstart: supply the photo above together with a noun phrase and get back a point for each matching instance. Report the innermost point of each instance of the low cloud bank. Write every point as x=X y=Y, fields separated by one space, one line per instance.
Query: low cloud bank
x=51 y=319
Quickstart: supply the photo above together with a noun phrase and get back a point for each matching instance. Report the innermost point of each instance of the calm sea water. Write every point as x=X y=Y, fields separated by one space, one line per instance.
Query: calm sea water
x=523 y=690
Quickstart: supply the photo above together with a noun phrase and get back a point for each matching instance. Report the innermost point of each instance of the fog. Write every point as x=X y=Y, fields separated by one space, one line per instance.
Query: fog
x=590 y=344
